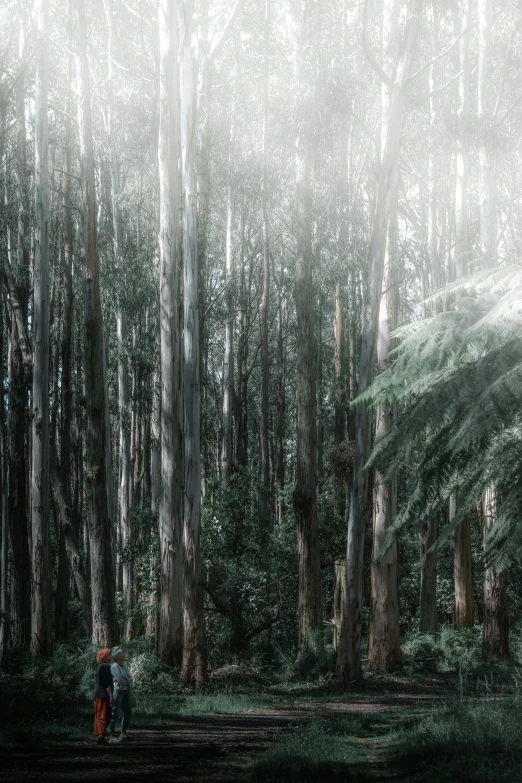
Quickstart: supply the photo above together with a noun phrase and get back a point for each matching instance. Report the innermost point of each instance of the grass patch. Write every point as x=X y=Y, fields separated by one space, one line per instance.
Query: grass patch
x=324 y=750
x=472 y=742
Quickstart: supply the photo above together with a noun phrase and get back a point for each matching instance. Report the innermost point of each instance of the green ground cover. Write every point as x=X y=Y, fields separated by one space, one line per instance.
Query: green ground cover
x=472 y=735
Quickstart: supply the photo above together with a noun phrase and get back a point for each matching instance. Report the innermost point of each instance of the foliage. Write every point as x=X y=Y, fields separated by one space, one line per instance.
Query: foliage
x=472 y=742
x=449 y=650
x=247 y=570
x=457 y=381
x=323 y=750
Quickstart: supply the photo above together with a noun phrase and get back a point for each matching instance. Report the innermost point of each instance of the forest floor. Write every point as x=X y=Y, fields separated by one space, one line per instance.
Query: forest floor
x=305 y=733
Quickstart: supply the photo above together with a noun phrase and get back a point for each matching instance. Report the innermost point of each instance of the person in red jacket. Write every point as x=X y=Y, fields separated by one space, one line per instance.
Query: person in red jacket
x=103 y=698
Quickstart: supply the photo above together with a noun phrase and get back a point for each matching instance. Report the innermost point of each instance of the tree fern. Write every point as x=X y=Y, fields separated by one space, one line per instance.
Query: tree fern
x=456 y=380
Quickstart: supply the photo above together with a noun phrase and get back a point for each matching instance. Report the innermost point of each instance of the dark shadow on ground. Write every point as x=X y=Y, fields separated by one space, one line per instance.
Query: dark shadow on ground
x=201 y=749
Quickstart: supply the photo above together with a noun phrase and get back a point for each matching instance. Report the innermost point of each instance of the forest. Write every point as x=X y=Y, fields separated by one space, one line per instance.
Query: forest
x=261 y=379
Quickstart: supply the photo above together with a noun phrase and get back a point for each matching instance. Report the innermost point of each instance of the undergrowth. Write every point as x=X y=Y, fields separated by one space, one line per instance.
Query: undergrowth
x=476 y=741
x=324 y=750
x=50 y=702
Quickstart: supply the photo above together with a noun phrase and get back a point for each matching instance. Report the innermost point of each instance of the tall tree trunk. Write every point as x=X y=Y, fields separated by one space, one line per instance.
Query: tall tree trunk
x=495 y=638
x=40 y=561
x=68 y=304
x=228 y=369
x=104 y=622
x=4 y=535
x=433 y=247
x=487 y=164
x=70 y=537
x=428 y=582
x=349 y=659
x=319 y=357
x=340 y=383
x=203 y=174
x=384 y=651
x=124 y=407
x=264 y=508
x=125 y=499
x=462 y=552
x=4 y=563
x=429 y=532
x=281 y=404
x=309 y=618
x=495 y=630
x=170 y=510
x=19 y=372
x=242 y=353
x=194 y=667
x=155 y=495
x=155 y=452
x=462 y=575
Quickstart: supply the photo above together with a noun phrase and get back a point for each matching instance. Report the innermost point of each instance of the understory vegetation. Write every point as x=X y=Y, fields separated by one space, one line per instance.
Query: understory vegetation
x=469 y=732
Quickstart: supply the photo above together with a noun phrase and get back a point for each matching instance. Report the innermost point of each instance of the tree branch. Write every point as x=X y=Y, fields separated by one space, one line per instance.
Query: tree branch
x=215 y=46
x=375 y=65
x=439 y=56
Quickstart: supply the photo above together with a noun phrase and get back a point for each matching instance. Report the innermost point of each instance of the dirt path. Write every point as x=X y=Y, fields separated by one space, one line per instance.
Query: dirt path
x=203 y=749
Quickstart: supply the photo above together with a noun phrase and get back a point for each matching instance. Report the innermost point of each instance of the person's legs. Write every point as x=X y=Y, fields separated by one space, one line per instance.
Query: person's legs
x=96 y=729
x=118 y=698
x=127 y=714
x=105 y=716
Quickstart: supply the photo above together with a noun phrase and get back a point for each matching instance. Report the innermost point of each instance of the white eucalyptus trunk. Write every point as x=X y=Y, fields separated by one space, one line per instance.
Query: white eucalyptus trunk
x=310 y=639
x=228 y=369
x=104 y=622
x=462 y=248
x=487 y=163
x=125 y=497
x=384 y=652
x=170 y=510
x=349 y=650
x=462 y=552
x=194 y=666
x=495 y=638
x=433 y=246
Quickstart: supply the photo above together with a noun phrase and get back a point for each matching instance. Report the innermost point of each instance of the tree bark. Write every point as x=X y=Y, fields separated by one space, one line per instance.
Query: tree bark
x=170 y=510
x=19 y=375
x=462 y=552
x=428 y=584
x=462 y=247
x=41 y=588
x=384 y=651
x=125 y=498
x=104 y=622
x=340 y=382
x=433 y=246
x=72 y=547
x=495 y=630
x=309 y=641
x=264 y=506
x=242 y=353
x=462 y=574
x=228 y=368
x=4 y=563
x=349 y=659
x=281 y=404
x=194 y=666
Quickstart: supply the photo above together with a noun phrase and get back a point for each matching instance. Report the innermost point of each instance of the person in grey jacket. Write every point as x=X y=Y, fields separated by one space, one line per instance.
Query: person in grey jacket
x=121 y=678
